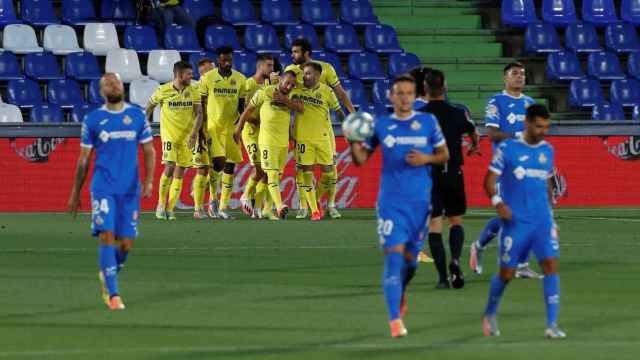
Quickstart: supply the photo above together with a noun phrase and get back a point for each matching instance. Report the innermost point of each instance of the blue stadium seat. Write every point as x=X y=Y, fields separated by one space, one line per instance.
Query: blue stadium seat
x=78 y=112
x=78 y=12
x=607 y=112
x=318 y=13
x=181 y=38
x=357 y=12
x=331 y=58
x=365 y=66
x=245 y=62
x=198 y=9
x=621 y=38
x=402 y=63
x=341 y=39
x=625 y=92
x=559 y=12
x=381 y=39
x=604 y=65
x=278 y=12
x=8 y=13
x=518 y=13
x=38 y=12
x=380 y=92
x=119 y=12
x=304 y=31
x=42 y=66
x=585 y=92
x=261 y=39
x=221 y=35
x=24 y=93
x=636 y=113
x=356 y=92
x=599 y=12
x=582 y=38
x=633 y=65
x=82 y=66
x=541 y=38
x=94 y=93
x=46 y=113
x=65 y=93
x=9 y=66
x=285 y=59
x=563 y=65
x=239 y=12
x=630 y=11
x=375 y=109
x=140 y=38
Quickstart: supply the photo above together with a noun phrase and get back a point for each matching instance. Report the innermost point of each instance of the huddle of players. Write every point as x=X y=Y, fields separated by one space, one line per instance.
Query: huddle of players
x=202 y=126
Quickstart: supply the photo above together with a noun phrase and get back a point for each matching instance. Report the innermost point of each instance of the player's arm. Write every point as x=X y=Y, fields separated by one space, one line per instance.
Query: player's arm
x=496 y=168
x=148 y=111
x=343 y=97
x=439 y=157
x=291 y=104
x=246 y=116
x=149 y=153
x=340 y=115
x=82 y=168
x=197 y=124
x=360 y=153
x=496 y=135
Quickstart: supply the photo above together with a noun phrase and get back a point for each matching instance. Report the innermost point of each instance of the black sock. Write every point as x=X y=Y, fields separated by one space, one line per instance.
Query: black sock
x=410 y=272
x=456 y=239
x=439 y=257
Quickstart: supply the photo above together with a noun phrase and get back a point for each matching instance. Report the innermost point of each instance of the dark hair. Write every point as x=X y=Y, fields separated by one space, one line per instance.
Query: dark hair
x=224 y=50
x=303 y=43
x=435 y=83
x=204 y=61
x=403 y=78
x=181 y=66
x=316 y=66
x=512 y=65
x=537 y=111
x=419 y=73
x=264 y=57
x=290 y=72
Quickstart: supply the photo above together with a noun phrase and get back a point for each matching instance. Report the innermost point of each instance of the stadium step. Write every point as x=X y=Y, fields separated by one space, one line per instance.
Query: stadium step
x=437 y=50
x=443 y=38
x=402 y=23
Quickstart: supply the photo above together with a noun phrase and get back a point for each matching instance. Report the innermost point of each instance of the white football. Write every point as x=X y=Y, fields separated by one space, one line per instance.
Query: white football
x=358 y=126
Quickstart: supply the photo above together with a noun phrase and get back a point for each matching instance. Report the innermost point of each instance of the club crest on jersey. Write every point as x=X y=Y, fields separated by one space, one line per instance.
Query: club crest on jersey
x=542 y=159
x=187 y=94
x=232 y=82
x=126 y=120
x=415 y=125
x=318 y=96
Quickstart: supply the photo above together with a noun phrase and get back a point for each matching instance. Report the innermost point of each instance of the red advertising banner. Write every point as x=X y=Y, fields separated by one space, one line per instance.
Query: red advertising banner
x=36 y=174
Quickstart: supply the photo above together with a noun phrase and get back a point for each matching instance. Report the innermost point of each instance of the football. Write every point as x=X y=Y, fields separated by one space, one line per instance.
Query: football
x=358 y=126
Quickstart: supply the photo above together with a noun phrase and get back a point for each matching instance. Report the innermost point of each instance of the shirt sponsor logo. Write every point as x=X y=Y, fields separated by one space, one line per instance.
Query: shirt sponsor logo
x=417 y=141
x=115 y=135
x=520 y=173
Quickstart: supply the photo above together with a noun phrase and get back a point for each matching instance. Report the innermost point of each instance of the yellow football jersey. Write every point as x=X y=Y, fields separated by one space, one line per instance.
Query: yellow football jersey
x=274 y=118
x=314 y=123
x=176 y=111
x=327 y=77
x=223 y=95
x=251 y=87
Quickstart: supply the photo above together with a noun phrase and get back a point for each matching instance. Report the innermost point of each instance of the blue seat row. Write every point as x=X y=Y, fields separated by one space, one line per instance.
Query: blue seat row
x=520 y=13
x=587 y=93
x=581 y=37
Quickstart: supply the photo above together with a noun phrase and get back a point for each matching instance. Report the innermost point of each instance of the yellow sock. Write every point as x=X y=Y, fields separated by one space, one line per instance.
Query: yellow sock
x=174 y=193
x=323 y=186
x=227 y=190
x=299 y=185
x=261 y=189
x=163 y=190
x=332 y=187
x=267 y=207
x=250 y=188
x=309 y=192
x=273 y=177
x=214 y=178
x=199 y=186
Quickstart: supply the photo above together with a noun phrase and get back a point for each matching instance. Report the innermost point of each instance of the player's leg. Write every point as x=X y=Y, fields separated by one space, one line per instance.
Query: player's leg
x=436 y=247
x=456 y=241
x=332 y=183
x=217 y=154
x=248 y=195
x=261 y=190
x=103 y=225
x=489 y=232
x=309 y=192
x=455 y=206
x=411 y=252
x=123 y=246
x=303 y=209
x=274 y=159
x=233 y=154
x=200 y=185
x=546 y=249
x=169 y=158
x=175 y=191
x=325 y=156
x=525 y=271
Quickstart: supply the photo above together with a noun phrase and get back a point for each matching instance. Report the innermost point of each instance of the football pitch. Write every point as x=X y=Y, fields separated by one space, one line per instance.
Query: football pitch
x=251 y=289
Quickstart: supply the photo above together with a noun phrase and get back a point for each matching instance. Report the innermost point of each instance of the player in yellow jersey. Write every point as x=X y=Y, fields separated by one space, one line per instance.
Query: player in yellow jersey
x=274 y=104
x=180 y=119
x=222 y=91
x=301 y=54
x=256 y=187
x=201 y=161
x=313 y=131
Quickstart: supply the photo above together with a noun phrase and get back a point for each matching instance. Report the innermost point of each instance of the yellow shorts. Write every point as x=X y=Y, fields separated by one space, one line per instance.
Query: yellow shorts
x=176 y=153
x=223 y=145
x=315 y=152
x=250 y=142
x=200 y=153
x=273 y=157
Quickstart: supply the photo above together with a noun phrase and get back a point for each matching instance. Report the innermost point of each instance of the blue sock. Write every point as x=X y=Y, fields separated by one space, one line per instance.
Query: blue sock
x=121 y=258
x=495 y=294
x=108 y=266
x=551 y=284
x=392 y=283
x=490 y=231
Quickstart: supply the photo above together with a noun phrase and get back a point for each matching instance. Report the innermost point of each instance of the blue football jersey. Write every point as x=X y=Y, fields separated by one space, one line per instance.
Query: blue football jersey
x=397 y=137
x=115 y=137
x=524 y=171
x=507 y=113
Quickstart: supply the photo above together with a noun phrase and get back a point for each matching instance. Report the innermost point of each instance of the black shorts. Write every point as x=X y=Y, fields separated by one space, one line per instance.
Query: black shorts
x=447 y=196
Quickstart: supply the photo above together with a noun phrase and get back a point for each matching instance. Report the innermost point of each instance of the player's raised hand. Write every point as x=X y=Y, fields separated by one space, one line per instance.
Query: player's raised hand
x=417 y=158
x=73 y=204
x=279 y=98
x=147 y=189
x=504 y=211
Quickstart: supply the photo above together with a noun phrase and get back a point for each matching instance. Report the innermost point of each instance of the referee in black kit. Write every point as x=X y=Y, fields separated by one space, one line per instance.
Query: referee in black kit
x=448 y=196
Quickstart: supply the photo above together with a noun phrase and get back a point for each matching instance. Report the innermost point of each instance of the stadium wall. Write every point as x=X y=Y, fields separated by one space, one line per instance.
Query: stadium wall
x=37 y=174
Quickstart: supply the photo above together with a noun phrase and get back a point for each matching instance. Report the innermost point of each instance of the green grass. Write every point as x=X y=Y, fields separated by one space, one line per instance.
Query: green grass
x=296 y=290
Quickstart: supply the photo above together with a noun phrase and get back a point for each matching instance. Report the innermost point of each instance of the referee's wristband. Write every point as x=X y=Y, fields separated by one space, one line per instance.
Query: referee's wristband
x=495 y=200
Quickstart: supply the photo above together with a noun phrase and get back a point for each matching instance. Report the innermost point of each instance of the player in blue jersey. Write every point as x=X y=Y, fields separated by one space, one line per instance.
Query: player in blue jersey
x=113 y=132
x=505 y=116
x=525 y=169
x=411 y=142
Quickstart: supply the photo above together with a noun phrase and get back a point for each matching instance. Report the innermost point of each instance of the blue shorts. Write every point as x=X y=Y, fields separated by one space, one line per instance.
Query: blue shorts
x=115 y=213
x=405 y=223
x=518 y=238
